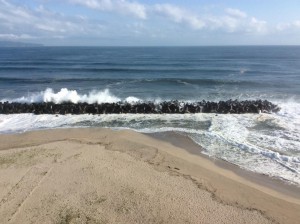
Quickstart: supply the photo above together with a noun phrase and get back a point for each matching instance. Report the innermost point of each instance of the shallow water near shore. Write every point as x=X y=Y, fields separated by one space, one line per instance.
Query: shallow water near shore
x=182 y=141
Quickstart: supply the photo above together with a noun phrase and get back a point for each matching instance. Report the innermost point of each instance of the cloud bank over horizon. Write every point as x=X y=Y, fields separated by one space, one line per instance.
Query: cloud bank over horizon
x=142 y=23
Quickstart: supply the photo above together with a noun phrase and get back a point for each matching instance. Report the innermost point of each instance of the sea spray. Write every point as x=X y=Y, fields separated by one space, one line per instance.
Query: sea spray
x=66 y=95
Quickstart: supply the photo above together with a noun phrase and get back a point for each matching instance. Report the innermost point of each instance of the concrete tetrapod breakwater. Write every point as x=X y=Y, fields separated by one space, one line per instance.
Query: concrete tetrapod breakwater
x=168 y=107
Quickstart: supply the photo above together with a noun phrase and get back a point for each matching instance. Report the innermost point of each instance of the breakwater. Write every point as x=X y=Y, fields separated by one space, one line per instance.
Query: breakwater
x=168 y=107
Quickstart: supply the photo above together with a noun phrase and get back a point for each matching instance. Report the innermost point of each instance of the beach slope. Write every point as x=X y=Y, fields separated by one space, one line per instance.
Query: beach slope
x=105 y=176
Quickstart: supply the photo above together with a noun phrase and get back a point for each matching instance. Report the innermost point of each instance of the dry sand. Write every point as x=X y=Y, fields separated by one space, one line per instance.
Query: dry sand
x=104 y=176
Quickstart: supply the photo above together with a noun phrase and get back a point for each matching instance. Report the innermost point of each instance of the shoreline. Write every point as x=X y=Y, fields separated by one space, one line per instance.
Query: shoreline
x=188 y=144
x=132 y=159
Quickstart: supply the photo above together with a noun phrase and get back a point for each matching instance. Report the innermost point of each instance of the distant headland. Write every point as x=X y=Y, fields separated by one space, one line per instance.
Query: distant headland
x=18 y=44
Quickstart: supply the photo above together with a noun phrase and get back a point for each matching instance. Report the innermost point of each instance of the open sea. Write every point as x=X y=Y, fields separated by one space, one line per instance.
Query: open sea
x=264 y=143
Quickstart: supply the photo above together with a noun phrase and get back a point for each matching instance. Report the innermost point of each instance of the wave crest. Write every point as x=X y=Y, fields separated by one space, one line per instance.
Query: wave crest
x=66 y=95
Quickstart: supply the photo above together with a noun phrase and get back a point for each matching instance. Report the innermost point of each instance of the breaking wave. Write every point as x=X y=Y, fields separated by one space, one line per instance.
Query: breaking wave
x=66 y=95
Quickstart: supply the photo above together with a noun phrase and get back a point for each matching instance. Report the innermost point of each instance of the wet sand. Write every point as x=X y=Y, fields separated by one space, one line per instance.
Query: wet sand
x=182 y=141
x=103 y=176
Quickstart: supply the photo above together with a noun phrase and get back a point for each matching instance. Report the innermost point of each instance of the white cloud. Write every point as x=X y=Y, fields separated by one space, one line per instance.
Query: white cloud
x=225 y=23
x=147 y=20
x=236 y=13
x=18 y=22
x=237 y=25
x=120 y=6
x=236 y=21
x=258 y=26
x=179 y=15
x=295 y=25
x=11 y=36
x=232 y=21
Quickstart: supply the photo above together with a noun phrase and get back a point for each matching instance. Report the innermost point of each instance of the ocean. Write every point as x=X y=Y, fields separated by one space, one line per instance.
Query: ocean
x=264 y=143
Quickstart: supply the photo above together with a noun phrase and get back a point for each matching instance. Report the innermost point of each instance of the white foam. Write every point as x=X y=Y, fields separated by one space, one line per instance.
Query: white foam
x=66 y=95
x=132 y=99
x=94 y=96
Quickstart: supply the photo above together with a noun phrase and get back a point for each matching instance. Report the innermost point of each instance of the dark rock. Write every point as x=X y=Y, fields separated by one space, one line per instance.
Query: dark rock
x=172 y=107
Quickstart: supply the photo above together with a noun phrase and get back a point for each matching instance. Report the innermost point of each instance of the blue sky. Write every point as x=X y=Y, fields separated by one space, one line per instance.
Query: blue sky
x=151 y=23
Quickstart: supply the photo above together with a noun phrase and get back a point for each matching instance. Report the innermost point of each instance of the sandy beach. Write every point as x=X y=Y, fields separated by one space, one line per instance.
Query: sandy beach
x=103 y=176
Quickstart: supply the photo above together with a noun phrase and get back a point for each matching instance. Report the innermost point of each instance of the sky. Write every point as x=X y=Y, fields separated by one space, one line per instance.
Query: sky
x=150 y=23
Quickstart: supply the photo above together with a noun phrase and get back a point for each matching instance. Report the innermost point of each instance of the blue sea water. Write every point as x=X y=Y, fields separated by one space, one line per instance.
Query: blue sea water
x=190 y=73
x=263 y=143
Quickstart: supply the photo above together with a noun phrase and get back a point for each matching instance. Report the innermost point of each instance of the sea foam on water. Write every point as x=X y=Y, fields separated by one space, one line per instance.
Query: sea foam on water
x=242 y=139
